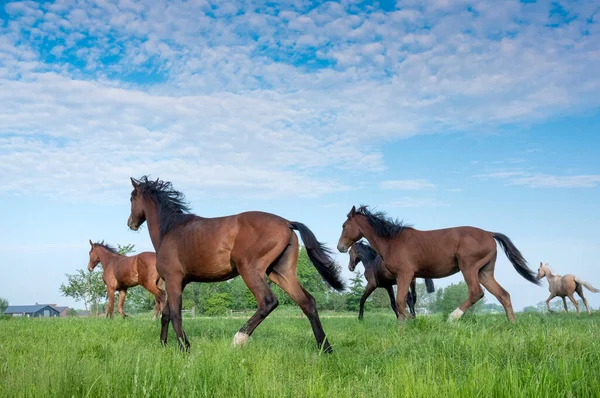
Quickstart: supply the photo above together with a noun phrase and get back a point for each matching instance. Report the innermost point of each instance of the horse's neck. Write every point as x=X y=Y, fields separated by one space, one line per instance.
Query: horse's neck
x=107 y=259
x=378 y=243
x=550 y=274
x=152 y=220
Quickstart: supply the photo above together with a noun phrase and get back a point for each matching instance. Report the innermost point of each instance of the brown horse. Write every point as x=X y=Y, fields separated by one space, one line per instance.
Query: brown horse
x=122 y=272
x=253 y=244
x=409 y=253
x=565 y=286
x=378 y=276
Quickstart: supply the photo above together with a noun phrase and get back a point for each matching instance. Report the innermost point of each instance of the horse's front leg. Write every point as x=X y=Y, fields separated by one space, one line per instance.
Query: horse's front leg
x=370 y=288
x=111 y=303
x=403 y=280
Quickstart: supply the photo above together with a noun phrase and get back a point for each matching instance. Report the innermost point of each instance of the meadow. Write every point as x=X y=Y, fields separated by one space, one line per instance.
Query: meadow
x=542 y=355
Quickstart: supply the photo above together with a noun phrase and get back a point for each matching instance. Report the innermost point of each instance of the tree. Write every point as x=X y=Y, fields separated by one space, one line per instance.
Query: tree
x=356 y=291
x=530 y=308
x=87 y=287
x=71 y=312
x=451 y=297
x=3 y=305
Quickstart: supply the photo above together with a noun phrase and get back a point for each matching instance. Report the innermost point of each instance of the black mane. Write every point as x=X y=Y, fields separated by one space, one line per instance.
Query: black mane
x=107 y=247
x=173 y=210
x=383 y=225
x=365 y=251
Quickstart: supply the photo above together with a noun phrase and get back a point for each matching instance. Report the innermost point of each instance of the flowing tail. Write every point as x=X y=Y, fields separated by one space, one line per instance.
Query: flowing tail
x=320 y=256
x=586 y=285
x=515 y=257
x=429 y=285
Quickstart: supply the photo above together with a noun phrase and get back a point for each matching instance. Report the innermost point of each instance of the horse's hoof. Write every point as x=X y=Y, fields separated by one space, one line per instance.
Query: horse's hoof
x=457 y=313
x=240 y=339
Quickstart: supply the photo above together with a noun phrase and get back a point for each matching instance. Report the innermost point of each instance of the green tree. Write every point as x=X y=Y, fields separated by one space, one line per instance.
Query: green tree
x=357 y=289
x=451 y=297
x=71 y=312
x=87 y=287
x=218 y=304
x=379 y=299
x=336 y=301
x=530 y=308
x=3 y=305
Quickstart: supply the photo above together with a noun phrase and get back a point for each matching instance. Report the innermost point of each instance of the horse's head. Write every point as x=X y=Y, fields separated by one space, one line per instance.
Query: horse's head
x=542 y=270
x=94 y=257
x=350 y=232
x=137 y=215
x=354 y=258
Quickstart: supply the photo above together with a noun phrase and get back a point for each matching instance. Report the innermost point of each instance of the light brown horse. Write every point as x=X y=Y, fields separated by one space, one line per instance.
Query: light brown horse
x=122 y=272
x=564 y=286
x=253 y=244
x=408 y=253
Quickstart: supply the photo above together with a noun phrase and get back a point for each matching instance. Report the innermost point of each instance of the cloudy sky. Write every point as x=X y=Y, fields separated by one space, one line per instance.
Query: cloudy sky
x=482 y=113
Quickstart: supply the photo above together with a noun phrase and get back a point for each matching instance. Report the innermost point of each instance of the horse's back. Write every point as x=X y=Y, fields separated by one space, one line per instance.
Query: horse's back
x=210 y=249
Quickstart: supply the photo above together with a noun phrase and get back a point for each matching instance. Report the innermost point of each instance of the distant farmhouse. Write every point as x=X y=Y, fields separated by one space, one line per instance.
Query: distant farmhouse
x=32 y=311
x=37 y=311
x=62 y=310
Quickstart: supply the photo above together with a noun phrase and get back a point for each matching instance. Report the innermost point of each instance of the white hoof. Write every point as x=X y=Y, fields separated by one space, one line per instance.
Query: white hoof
x=457 y=313
x=240 y=339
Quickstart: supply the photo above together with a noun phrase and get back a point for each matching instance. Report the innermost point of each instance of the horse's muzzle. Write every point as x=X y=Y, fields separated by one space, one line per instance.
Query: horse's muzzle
x=132 y=225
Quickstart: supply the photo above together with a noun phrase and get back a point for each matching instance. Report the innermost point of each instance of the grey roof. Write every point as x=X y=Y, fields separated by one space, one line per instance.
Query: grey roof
x=18 y=309
x=59 y=309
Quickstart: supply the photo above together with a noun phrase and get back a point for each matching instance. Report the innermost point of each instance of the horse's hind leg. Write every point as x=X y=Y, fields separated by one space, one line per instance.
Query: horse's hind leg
x=565 y=303
x=579 y=291
x=486 y=277
x=159 y=296
x=574 y=302
x=411 y=299
x=265 y=299
x=390 y=290
x=122 y=295
x=283 y=273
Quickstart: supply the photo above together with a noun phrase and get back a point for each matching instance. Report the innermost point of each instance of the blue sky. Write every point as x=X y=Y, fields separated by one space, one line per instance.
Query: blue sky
x=482 y=113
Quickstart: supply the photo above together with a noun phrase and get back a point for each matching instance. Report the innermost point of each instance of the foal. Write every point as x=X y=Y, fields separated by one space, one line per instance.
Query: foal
x=378 y=276
x=122 y=272
x=562 y=286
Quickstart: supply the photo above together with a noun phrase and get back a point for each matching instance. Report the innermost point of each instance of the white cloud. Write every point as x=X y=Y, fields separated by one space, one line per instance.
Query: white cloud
x=541 y=180
x=228 y=95
x=406 y=185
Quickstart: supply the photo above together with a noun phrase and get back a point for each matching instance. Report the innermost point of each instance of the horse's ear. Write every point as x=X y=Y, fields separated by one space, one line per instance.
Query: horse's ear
x=353 y=211
x=91 y=244
x=102 y=242
x=135 y=185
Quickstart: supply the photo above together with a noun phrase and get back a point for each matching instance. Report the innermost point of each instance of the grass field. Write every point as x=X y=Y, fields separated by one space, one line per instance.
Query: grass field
x=542 y=355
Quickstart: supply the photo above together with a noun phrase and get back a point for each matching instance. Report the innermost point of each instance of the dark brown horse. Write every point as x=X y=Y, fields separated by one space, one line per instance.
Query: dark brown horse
x=122 y=272
x=410 y=253
x=253 y=244
x=378 y=276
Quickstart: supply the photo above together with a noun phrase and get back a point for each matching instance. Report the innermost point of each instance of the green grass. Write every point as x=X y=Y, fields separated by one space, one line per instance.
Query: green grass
x=542 y=355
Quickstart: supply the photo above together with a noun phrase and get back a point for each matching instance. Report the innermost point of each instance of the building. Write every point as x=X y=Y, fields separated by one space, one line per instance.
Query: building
x=63 y=311
x=32 y=311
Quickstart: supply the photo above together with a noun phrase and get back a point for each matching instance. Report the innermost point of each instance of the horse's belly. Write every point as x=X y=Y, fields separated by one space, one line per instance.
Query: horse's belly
x=212 y=272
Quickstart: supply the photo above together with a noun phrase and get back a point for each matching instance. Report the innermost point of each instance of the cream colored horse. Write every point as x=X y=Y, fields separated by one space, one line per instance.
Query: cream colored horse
x=564 y=286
